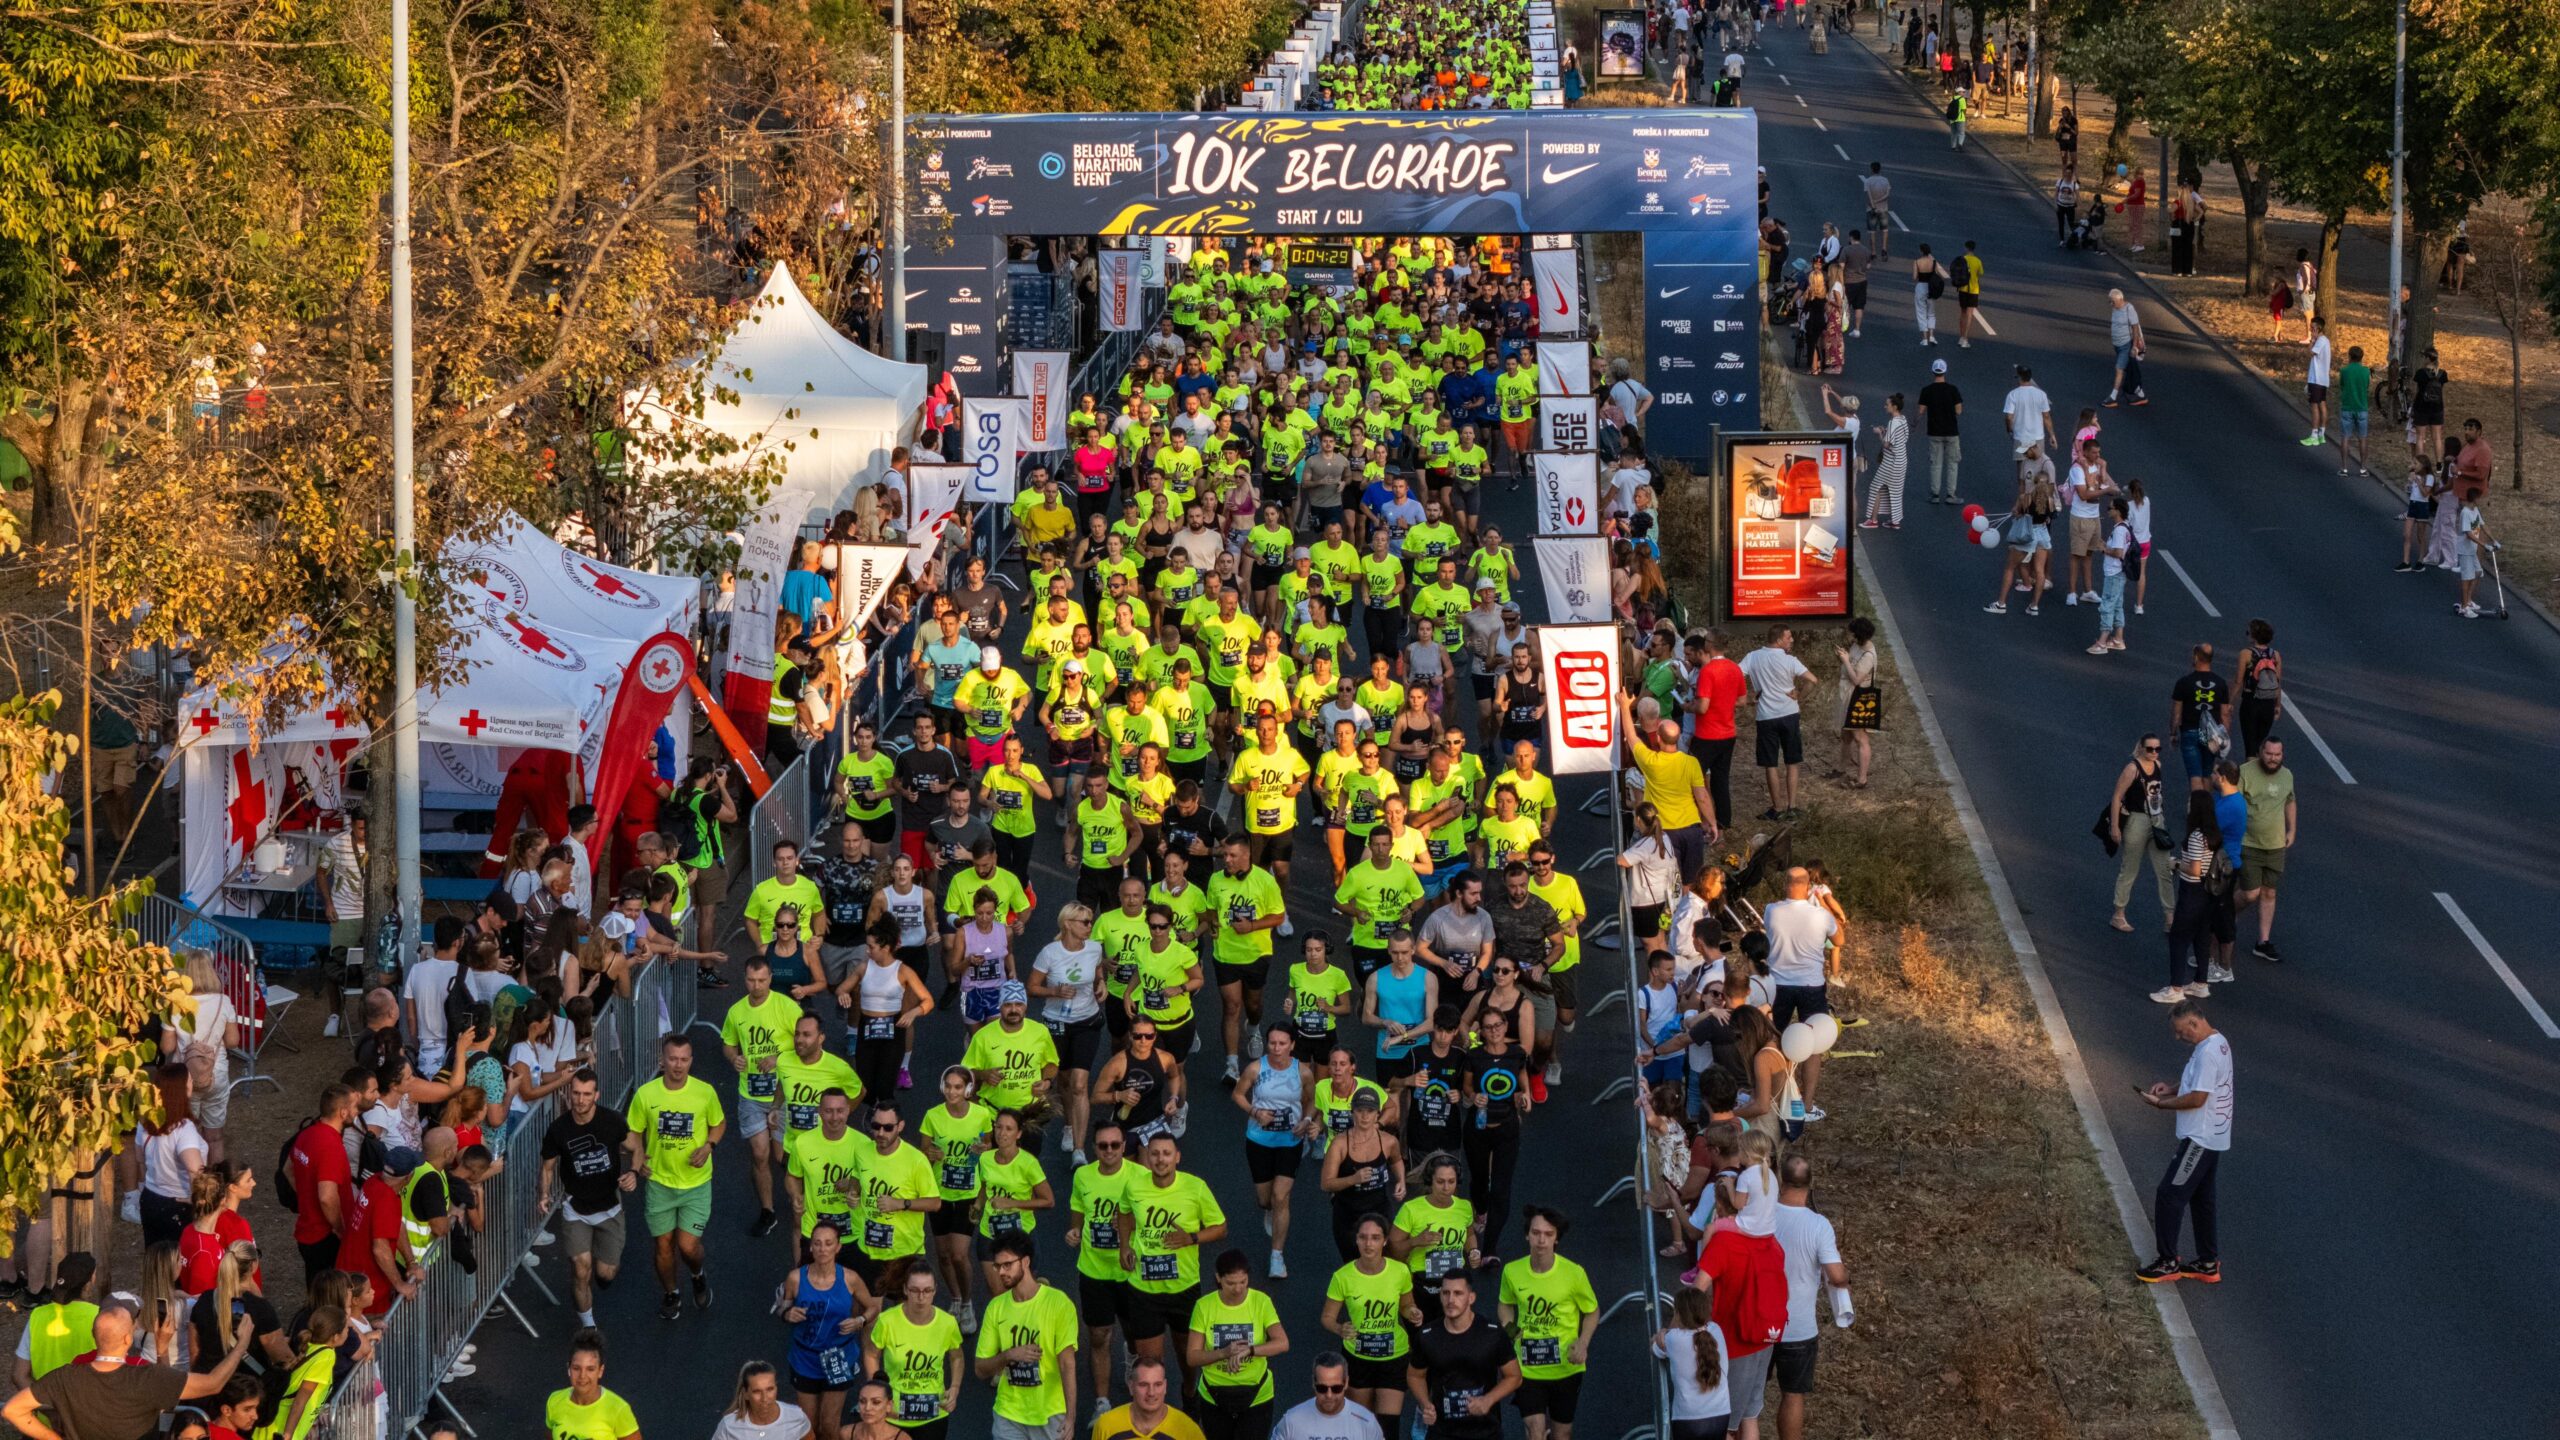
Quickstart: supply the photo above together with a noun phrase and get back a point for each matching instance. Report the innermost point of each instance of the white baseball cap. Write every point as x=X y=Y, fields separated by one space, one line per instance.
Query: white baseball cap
x=991 y=659
x=1937 y=367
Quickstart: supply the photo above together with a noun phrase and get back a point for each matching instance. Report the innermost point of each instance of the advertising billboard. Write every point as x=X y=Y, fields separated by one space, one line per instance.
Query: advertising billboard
x=1622 y=44
x=1788 y=511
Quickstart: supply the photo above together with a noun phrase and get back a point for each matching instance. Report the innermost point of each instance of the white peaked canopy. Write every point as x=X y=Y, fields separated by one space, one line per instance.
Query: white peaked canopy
x=785 y=377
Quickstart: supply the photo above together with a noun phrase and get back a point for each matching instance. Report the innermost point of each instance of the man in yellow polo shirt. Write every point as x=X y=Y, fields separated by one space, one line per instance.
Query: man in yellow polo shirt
x=1675 y=787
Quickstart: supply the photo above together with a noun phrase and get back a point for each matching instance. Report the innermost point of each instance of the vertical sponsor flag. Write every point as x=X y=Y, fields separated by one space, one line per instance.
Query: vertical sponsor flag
x=1040 y=378
x=1564 y=366
x=933 y=492
x=1559 y=277
x=769 y=537
x=992 y=436
x=1568 y=492
x=1123 y=307
x=863 y=576
x=649 y=688
x=1580 y=665
x=1569 y=423
x=1576 y=571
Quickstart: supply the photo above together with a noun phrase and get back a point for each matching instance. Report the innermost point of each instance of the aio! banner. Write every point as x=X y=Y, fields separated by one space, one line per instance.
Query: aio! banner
x=1580 y=665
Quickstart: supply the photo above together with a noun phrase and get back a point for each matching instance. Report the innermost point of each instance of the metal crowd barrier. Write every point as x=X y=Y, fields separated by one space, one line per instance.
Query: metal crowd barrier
x=159 y=920
x=422 y=1336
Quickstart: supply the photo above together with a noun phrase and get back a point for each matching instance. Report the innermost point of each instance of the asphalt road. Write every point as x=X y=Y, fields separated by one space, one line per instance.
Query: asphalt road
x=2395 y=1091
x=678 y=1375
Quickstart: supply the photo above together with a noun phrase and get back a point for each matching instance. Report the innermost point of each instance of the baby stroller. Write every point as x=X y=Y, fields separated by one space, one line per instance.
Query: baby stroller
x=2089 y=232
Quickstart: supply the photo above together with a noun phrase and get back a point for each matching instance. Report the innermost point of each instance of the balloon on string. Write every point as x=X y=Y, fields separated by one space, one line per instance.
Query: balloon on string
x=1797 y=1044
x=1990 y=539
x=1826 y=1032
x=1980 y=524
x=1970 y=514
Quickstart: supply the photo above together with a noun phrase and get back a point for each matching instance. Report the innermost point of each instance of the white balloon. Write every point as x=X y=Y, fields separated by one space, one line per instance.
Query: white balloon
x=1981 y=523
x=1990 y=540
x=1826 y=1032
x=1797 y=1044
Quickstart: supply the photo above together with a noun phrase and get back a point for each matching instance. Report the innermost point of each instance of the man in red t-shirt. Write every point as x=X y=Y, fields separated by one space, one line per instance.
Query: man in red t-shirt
x=1748 y=1274
x=371 y=1245
x=322 y=1188
x=1720 y=689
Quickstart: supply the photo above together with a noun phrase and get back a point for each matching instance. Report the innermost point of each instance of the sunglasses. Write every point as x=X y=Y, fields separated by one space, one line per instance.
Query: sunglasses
x=1158 y=925
x=1324 y=1389
x=883 y=1128
x=1108 y=1145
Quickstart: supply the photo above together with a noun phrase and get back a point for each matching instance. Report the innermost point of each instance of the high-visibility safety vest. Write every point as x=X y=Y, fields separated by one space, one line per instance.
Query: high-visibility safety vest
x=781 y=709
x=415 y=1233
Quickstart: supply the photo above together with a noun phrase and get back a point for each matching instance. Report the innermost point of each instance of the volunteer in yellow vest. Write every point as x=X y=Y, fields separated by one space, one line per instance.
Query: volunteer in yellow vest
x=1235 y=1332
x=426 y=1194
x=306 y=1386
x=58 y=1330
x=793 y=668
x=587 y=1410
x=753 y=1035
x=676 y=1123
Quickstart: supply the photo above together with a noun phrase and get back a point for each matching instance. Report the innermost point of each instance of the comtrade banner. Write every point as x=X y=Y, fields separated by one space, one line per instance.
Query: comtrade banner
x=1123 y=298
x=1575 y=571
x=1559 y=290
x=1040 y=378
x=1787 y=503
x=1581 y=671
x=1504 y=172
x=1568 y=492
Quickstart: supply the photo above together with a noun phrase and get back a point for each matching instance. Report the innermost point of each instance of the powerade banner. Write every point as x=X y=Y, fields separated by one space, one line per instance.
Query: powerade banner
x=1479 y=172
x=1702 y=338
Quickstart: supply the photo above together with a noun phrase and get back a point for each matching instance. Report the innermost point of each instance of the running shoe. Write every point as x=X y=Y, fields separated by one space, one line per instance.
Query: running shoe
x=1234 y=1069
x=2266 y=950
x=2199 y=991
x=701 y=1292
x=2169 y=995
x=2205 y=1272
x=1996 y=607
x=764 y=1222
x=1279 y=1266
x=2219 y=974
x=671 y=1307
x=2166 y=1268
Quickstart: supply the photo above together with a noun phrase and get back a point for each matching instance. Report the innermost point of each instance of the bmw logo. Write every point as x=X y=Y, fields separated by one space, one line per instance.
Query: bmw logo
x=1721 y=397
x=1053 y=165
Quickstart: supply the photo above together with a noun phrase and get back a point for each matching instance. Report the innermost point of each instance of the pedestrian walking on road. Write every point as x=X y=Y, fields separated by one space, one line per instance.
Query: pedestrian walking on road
x=1941 y=404
x=2124 y=332
x=2029 y=412
x=1879 y=208
x=2273 y=825
x=2260 y=686
x=2066 y=138
x=1958 y=111
x=2316 y=383
x=2028 y=536
x=1855 y=261
x=2138 y=826
x=2418 y=526
x=2200 y=711
x=2203 y=869
x=2137 y=508
x=1928 y=282
x=2202 y=1103
x=2113 y=551
x=1884 y=483
x=2471 y=536
x=1968 y=294
x=2066 y=207
x=2086 y=491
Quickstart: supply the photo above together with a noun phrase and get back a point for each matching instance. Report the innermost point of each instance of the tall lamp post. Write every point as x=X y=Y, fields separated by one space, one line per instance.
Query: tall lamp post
x=897 y=338
x=2399 y=190
x=404 y=512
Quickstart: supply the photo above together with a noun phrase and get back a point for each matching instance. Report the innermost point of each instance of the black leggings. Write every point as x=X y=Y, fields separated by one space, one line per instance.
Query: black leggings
x=876 y=1064
x=2190 y=933
x=1013 y=852
x=1492 y=1151
x=1224 y=1419
x=1384 y=629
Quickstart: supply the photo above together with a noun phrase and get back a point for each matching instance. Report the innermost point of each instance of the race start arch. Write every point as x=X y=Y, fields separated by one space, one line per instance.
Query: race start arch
x=1684 y=179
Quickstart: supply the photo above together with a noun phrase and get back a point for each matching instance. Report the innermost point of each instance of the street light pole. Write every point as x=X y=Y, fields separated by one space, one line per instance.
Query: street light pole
x=2399 y=190
x=897 y=337
x=404 y=512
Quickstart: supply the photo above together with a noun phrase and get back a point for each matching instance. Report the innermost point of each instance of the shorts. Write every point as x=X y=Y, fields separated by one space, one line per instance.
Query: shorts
x=880 y=829
x=1058 y=1427
x=1519 y=437
x=1646 y=921
x=2084 y=536
x=2191 y=751
x=1319 y=516
x=1563 y=991
x=672 y=1210
x=2319 y=393
x=1277 y=849
x=1469 y=495
x=1966 y=302
x=1857 y=294
x=1745 y=1377
x=708 y=885
x=1267 y=576
x=812 y=1385
x=1152 y=1313
x=1779 y=740
x=952 y=1219
x=601 y=1239
x=756 y=1116
x=1392 y=1068
x=1387 y=1374
x=116 y=767
x=979 y=1004
x=985 y=754
x=1556 y=1399
x=1486 y=686
x=1248 y=973
x=838 y=964
x=1078 y=1042
x=1542 y=1010
x=1100 y=1303
x=2261 y=869
x=1798 y=1002
x=1266 y=1163
x=1793 y=1366
x=2354 y=424
x=1064 y=754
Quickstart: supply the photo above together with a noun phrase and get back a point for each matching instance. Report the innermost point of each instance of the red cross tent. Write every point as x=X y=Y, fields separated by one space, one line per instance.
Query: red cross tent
x=546 y=638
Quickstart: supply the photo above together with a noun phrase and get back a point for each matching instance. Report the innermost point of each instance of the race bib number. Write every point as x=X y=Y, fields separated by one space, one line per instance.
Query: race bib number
x=802 y=1117
x=1440 y=1264
x=1542 y=1350
x=879 y=1027
x=1338 y=1121
x=1185 y=739
x=1314 y=1023
x=1004 y=1222
x=1373 y=1344
x=762 y=1086
x=1442 y=850
x=675 y=1124
x=960 y=1174
x=1267 y=815
x=1106 y=1235
x=1008 y=799
x=842 y=1222
x=1097 y=847
x=839 y=1369
x=877 y=1235
x=1455 y=1402
x=1222 y=1336
x=919 y=1407
x=1159 y=1267
x=1024 y=1373
x=1284 y=1117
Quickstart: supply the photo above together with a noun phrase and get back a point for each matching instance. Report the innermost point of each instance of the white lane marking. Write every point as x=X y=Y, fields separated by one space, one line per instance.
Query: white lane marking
x=1844 y=153
x=2515 y=986
x=1985 y=322
x=1782 y=75
x=1800 y=100
x=1896 y=218
x=2293 y=709
x=1818 y=125
x=2187 y=580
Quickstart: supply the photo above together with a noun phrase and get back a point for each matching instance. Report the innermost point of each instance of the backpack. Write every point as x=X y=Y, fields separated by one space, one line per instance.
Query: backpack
x=2263 y=677
x=2217 y=873
x=282 y=1179
x=1955 y=108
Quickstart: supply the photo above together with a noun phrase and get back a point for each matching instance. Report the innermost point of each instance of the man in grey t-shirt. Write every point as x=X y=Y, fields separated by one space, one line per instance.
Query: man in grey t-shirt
x=1457 y=940
x=1879 y=206
x=1320 y=487
x=1484 y=647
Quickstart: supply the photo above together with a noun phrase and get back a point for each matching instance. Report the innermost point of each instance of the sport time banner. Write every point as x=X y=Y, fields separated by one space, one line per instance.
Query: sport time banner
x=1123 y=297
x=1581 y=665
x=1787 y=502
x=1478 y=172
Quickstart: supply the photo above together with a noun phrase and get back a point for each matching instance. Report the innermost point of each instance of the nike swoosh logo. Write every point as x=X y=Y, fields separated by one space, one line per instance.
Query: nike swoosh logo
x=1553 y=176
x=1667 y=294
x=1563 y=306
x=916 y=294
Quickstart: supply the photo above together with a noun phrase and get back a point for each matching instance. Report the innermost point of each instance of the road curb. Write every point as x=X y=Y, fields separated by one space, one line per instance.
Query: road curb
x=2170 y=303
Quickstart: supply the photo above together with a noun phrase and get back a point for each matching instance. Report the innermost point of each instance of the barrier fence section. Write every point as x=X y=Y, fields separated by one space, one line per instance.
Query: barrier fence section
x=159 y=920
x=389 y=1394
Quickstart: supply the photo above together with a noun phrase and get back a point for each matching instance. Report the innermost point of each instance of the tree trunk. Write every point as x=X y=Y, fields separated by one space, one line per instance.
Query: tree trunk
x=2426 y=259
x=2332 y=227
x=2048 y=85
x=2515 y=395
x=2119 y=132
x=2253 y=224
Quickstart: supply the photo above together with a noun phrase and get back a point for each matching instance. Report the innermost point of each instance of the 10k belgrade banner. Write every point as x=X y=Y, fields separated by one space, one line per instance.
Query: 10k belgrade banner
x=1580 y=667
x=1788 y=508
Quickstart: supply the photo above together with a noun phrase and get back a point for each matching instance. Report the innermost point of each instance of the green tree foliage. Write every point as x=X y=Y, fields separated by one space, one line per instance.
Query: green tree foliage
x=79 y=985
x=1107 y=55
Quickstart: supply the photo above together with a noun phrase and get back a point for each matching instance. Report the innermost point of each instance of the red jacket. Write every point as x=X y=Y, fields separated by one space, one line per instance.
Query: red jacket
x=1750 y=1277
